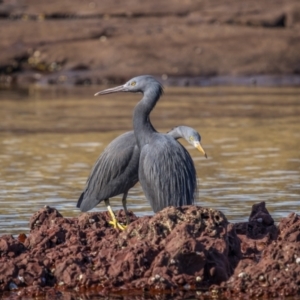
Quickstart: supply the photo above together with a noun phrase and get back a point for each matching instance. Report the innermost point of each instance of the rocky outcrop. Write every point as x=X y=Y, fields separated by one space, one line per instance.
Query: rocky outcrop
x=178 y=249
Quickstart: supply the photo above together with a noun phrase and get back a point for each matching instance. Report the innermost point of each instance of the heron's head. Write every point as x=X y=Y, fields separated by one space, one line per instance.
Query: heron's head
x=139 y=84
x=190 y=135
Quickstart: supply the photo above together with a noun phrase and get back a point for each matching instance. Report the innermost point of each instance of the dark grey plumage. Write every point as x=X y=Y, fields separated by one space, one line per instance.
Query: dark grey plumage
x=116 y=169
x=166 y=170
x=114 y=173
x=166 y=173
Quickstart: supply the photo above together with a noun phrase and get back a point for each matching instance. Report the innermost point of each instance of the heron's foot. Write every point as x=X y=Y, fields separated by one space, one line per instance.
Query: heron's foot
x=116 y=224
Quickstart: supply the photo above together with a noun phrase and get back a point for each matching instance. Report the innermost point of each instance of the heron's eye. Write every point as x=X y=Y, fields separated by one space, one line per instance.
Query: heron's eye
x=133 y=83
x=191 y=138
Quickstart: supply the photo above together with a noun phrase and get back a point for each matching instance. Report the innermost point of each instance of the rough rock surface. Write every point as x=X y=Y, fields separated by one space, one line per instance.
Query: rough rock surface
x=100 y=41
x=188 y=248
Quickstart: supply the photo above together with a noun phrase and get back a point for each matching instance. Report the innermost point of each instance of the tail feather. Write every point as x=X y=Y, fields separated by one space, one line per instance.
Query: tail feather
x=80 y=200
x=86 y=203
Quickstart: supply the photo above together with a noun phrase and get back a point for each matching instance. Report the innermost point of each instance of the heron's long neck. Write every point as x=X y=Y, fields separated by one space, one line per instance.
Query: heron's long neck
x=176 y=133
x=142 y=126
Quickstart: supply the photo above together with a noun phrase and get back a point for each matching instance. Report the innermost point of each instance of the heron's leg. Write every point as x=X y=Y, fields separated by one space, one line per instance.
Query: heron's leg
x=113 y=221
x=124 y=202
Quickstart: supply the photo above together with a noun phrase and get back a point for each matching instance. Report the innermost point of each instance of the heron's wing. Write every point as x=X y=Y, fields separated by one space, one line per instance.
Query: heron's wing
x=114 y=173
x=167 y=173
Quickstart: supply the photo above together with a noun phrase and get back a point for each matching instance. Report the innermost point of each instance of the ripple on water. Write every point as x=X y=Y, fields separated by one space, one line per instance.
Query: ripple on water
x=87 y=144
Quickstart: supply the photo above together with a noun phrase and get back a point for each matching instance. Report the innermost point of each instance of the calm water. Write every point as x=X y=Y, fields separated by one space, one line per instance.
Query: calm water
x=50 y=138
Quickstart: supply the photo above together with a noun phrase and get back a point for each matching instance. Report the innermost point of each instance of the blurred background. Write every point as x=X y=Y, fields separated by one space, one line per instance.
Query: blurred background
x=231 y=70
x=101 y=41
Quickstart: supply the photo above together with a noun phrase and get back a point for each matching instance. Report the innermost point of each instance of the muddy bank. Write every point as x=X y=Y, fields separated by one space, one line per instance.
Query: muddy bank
x=178 y=249
x=99 y=42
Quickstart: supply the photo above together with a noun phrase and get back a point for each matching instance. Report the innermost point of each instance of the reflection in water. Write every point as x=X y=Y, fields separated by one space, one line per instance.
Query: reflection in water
x=49 y=140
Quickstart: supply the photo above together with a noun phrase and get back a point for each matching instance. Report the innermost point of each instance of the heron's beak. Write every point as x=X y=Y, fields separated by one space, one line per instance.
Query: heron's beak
x=121 y=88
x=199 y=147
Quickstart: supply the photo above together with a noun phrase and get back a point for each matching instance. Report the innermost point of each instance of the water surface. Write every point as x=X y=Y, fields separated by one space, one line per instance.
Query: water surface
x=50 y=138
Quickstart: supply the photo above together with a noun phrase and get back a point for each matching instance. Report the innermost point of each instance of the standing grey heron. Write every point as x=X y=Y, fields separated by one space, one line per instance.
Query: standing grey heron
x=116 y=170
x=166 y=170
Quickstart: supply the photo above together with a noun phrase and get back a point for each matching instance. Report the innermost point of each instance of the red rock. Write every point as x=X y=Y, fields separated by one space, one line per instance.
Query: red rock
x=10 y=247
x=22 y=237
x=183 y=248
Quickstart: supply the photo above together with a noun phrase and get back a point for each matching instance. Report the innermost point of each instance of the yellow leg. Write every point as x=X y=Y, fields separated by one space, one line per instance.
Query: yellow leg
x=113 y=221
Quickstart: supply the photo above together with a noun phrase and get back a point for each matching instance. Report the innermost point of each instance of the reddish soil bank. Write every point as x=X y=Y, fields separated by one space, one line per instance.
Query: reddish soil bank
x=177 y=249
x=109 y=41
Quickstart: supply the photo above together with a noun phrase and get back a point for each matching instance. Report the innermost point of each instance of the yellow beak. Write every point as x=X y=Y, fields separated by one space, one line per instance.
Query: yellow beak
x=199 y=147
